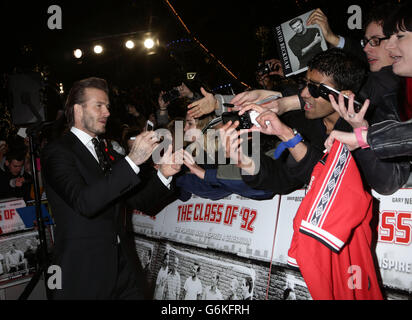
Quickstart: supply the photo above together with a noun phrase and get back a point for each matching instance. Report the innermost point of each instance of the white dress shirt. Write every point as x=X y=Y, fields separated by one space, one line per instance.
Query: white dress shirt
x=86 y=139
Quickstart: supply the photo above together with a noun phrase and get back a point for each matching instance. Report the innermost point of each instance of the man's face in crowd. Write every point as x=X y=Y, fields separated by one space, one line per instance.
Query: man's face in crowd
x=194 y=271
x=377 y=56
x=400 y=48
x=245 y=288
x=92 y=116
x=215 y=280
x=298 y=27
x=316 y=108
x=233 y=285
x=15 y=166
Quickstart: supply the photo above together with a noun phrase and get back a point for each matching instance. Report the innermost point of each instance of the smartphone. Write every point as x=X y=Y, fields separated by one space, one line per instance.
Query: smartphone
x=325 y=91
x=149 y=125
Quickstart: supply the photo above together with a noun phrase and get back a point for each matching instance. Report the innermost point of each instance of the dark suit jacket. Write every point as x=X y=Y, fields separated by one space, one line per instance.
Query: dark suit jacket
x=89 y=209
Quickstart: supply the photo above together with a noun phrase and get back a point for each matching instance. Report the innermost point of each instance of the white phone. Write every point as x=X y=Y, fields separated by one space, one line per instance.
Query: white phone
x=149 y=125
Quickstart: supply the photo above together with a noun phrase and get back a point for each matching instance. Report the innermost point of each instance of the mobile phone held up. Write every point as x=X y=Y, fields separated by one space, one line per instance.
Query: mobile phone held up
x=325 y=91
x=149 y=125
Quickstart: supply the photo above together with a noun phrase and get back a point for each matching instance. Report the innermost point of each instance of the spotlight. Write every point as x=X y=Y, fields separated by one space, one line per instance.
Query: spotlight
x=78 y=53
x=98 y=49
x=149 y=43
x=129 y=44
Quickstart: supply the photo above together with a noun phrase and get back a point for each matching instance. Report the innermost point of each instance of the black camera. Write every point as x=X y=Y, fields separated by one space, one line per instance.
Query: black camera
x=245 y=121
x=171 y=95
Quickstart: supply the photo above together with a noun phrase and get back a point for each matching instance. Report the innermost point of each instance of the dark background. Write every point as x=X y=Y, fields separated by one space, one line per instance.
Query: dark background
x=230 y=30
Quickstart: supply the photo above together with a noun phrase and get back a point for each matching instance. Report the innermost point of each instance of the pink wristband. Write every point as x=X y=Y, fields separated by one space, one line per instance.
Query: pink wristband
x=358 y=133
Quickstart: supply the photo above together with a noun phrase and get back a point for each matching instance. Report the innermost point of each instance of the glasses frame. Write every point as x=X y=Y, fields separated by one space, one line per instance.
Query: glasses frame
x=365 y=41
x=314 y=89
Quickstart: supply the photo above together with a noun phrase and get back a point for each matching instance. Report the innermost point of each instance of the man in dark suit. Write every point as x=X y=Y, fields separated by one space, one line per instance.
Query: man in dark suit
x=89 y=192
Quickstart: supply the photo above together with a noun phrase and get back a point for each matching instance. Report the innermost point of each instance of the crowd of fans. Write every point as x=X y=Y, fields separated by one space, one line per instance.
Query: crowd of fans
x=356 y=68
x=278 y=153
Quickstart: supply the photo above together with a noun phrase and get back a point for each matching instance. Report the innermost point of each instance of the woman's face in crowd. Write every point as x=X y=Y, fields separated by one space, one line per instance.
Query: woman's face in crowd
x=400 y=48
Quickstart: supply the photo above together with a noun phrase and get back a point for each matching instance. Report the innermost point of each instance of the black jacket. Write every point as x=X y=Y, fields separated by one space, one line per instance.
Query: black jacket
x=391 y=139
x=89 y=210
x=7 y=191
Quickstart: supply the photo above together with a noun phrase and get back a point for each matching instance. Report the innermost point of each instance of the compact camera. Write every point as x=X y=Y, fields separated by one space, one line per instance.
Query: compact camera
x=246 y=120
x=171 y=95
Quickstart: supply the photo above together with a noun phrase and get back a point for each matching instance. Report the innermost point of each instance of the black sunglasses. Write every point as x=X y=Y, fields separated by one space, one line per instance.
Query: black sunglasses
x=322 y=90
x=315 y=90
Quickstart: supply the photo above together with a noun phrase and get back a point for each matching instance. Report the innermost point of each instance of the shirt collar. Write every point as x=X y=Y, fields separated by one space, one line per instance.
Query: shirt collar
x=84 y=137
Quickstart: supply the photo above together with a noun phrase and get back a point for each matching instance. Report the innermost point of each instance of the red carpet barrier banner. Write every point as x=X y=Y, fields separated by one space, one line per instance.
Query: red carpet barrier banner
x=394 y=249
x=262 y=230
x=16 y=216
x=235 y=224
x=10 y=220
x=289 y=205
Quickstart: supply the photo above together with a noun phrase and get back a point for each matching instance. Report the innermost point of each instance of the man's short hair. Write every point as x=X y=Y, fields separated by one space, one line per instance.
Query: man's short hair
x=76 y=95
x=348 y=72
x=293 y=21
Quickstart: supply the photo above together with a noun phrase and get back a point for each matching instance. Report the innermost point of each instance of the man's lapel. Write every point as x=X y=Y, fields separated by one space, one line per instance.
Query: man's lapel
x=83 y=153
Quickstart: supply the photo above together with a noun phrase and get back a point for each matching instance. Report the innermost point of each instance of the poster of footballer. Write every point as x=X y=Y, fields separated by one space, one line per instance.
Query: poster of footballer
x=298 y=43
x=18 y=256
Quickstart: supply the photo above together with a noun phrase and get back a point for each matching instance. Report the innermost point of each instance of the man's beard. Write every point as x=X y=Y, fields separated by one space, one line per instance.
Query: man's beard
x=89 y=125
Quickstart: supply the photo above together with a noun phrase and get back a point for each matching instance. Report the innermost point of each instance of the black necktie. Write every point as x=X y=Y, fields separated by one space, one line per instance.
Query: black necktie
x=103 y=161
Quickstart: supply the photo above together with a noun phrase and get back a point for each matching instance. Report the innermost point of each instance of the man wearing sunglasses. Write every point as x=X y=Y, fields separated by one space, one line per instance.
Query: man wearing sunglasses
x=341 y=71
x=381 y=88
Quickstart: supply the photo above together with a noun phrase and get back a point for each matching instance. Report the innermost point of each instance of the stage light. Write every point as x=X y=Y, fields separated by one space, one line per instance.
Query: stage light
x=149 y=43
x=78 y=53
x=98 y=49
x=129 y=44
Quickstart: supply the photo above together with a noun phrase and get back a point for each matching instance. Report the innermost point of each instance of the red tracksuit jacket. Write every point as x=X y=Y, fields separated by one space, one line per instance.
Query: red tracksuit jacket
x=331 y=244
